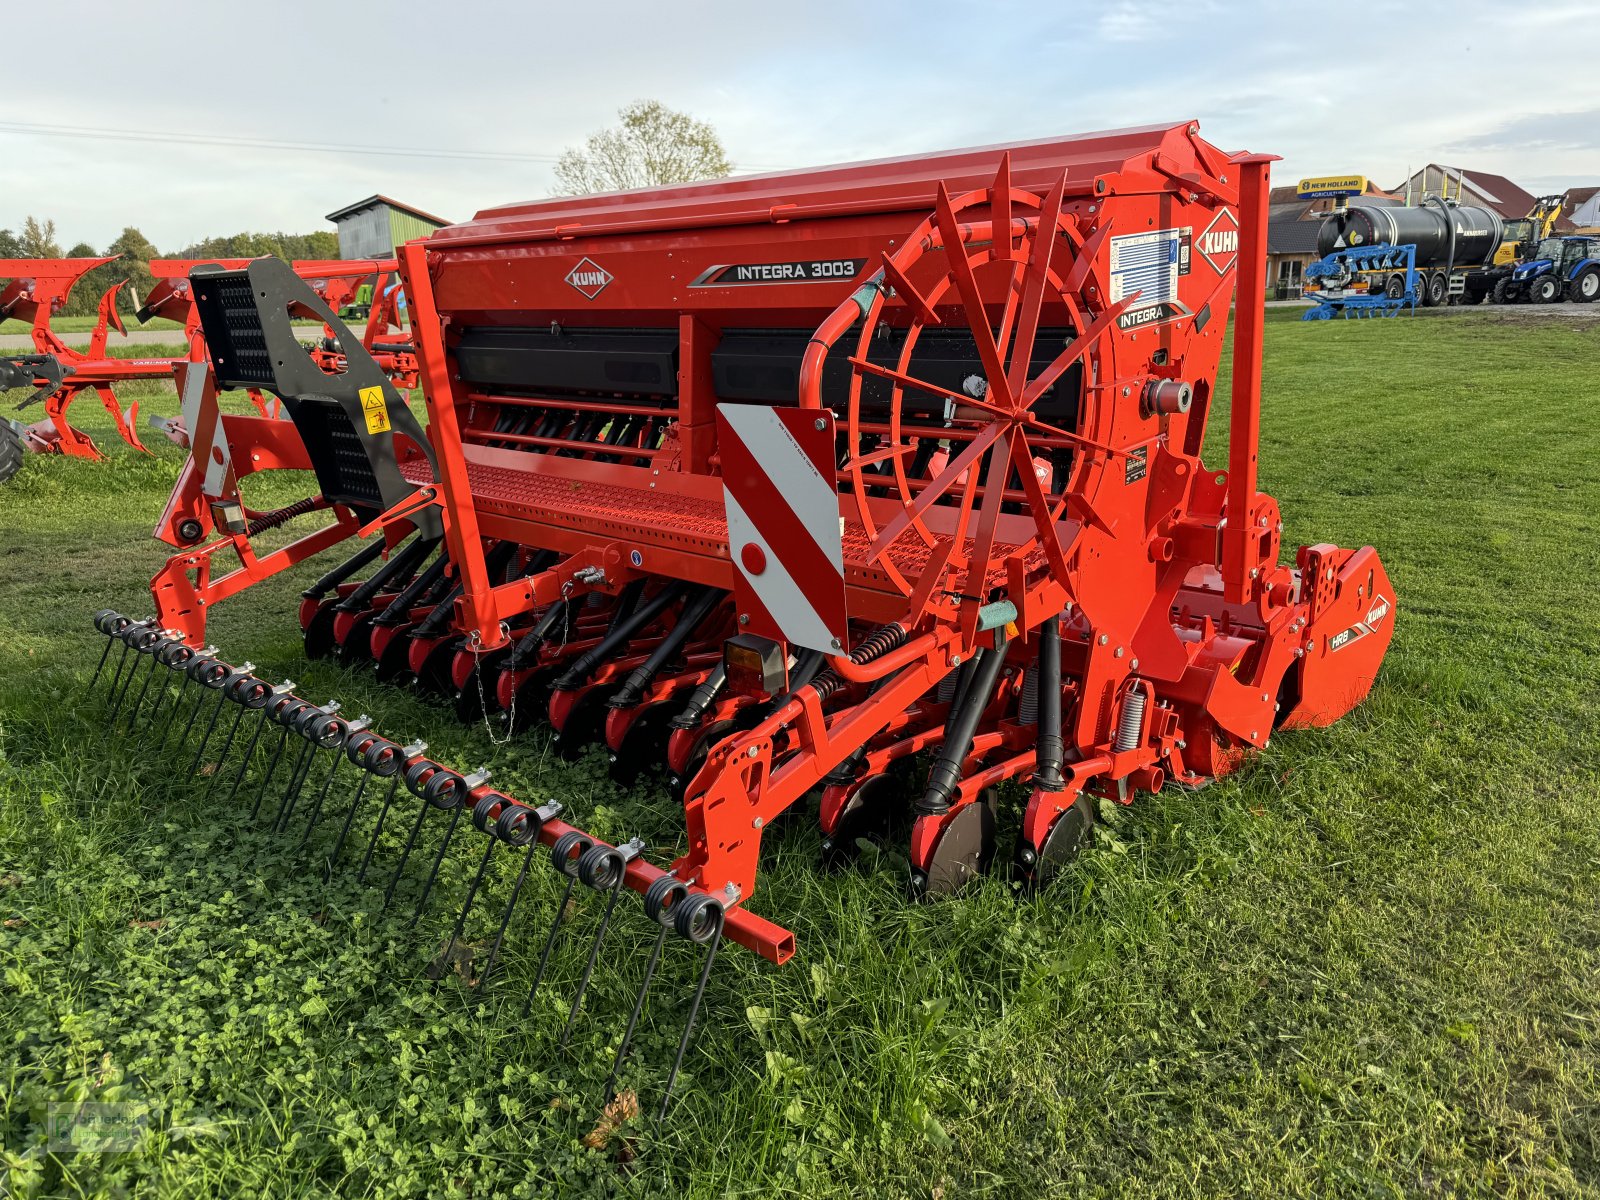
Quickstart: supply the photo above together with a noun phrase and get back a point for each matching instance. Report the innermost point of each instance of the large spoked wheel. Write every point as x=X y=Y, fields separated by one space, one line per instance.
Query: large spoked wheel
x=1000 y=263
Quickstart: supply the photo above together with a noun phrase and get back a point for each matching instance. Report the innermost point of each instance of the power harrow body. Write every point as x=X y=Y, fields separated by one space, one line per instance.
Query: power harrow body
x=877 y=484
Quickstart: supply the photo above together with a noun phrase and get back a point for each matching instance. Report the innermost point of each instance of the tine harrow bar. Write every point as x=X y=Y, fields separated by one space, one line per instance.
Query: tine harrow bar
x=879 y=484
x=140 y=652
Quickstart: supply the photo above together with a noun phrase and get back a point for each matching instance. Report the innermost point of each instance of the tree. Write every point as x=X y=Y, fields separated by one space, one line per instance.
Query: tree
x=10 y=245
x=322 y=244
x=39 y=241
x=287 y=246
x=653 y=145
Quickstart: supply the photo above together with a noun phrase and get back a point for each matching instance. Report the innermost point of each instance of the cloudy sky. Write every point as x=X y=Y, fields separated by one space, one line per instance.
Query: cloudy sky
x=189 y=119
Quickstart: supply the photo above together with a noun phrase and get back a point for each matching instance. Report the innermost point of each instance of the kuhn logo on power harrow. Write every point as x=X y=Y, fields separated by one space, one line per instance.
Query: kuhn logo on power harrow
x=589 y=277
x=1219 y=244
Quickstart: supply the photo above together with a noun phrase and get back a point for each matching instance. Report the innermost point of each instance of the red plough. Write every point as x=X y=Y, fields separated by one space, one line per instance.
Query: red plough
x=877 y=483
x=35 y=290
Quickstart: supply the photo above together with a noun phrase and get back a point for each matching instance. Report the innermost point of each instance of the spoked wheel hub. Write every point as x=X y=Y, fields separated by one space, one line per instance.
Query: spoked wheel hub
x=1012 y=270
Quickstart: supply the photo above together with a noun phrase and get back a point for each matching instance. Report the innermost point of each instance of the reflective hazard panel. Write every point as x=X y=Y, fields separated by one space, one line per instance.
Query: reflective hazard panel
x=375 y=409
x=780 y=488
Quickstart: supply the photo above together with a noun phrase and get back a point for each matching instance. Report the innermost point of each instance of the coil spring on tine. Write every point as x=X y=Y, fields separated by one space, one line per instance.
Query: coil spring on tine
x=356 y=745
x=518 y=825
x=699 y=918
x=285 y=709
x=487 y=811
x=325 y=731
x=418 y=773
x=110 y=622
x=175 y=655
x=662 y=897
x=445 y=789
x=601 y=867
x=382 y=758
x=561 y=852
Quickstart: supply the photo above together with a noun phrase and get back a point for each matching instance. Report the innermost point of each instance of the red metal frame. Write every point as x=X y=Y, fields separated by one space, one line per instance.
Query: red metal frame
x=1184 y=641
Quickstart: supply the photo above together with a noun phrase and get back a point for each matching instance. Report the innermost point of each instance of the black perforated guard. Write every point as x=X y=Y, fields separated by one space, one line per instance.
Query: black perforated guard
x=245 y=316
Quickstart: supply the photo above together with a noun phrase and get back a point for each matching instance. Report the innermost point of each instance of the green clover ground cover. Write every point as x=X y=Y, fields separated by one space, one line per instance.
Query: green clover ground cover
x=1366 y=966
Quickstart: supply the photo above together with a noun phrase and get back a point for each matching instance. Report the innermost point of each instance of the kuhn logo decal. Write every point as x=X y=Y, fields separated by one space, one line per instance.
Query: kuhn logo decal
x=1375 y=615
x=1219 y=244
x=589 y=277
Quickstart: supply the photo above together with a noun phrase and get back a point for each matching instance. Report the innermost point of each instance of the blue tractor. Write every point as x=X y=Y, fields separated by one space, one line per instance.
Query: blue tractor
x=1561 y=268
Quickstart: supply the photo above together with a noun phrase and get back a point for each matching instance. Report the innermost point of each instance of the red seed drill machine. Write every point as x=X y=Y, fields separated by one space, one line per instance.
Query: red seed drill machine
x=878 y=485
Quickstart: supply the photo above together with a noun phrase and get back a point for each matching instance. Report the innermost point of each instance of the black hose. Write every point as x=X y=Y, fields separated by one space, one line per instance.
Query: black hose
x=945 y=777
x=361 y=558
x=400 y=566
x=618 y=635
x=407 y=599
x=1052 y=750
x=698 y=608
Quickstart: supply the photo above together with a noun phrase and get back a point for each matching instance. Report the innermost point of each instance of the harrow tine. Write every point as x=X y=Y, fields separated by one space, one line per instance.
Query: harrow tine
x=638 y=1009
x=322 y=730
x=372 y=843
x=291 y=790
x=561 y=854
x=133 y=713
x=175 y=658
x=549 y=944
x=604 y=869
x=688 y=921
x=135 y=633
x=441 y=788
x=438 y=859
x=405 y=855
x=344 y=830
x=322 y=796
x=227 y=746
x=661 y=901
x=116 y=680
x=177 y=703
x=211 y=726
x=104 y=621
x=505 y=919
x=272 y=769
x=472 y=892
x=354 y=744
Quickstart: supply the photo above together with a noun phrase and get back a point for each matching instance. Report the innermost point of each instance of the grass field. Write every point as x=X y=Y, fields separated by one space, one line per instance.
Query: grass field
x=1366 y=966
x=86 y=324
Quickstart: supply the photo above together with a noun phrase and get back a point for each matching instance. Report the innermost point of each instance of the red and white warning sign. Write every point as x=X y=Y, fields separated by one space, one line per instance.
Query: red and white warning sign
x=208 y=444
x=780 y=487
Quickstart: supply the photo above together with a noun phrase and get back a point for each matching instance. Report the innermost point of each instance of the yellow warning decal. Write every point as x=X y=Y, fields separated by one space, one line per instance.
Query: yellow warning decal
x=375 y=410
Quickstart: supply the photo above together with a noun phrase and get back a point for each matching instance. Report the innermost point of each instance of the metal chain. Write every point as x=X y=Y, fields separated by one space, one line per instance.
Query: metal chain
x=476 y=646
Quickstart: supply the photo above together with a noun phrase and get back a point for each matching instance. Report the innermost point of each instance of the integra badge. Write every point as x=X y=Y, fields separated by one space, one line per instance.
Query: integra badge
x=1151 y=314
x=813 y=270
